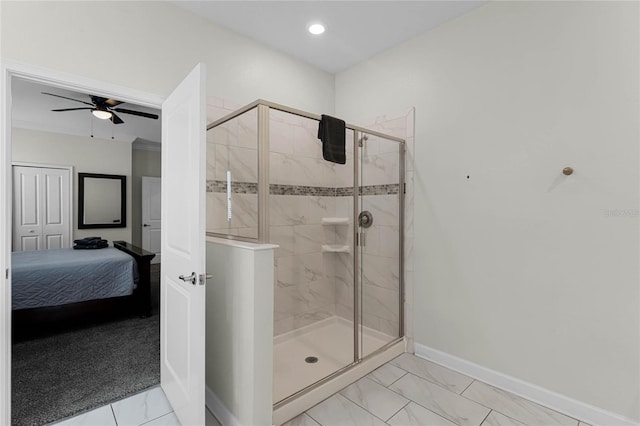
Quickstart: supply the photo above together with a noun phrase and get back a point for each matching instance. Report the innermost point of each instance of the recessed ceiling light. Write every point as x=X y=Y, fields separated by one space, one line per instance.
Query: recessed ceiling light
x=316 y=29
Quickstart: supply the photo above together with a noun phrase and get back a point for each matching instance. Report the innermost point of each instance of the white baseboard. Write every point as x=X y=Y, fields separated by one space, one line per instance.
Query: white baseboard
x=222 y=413
x=563 y=404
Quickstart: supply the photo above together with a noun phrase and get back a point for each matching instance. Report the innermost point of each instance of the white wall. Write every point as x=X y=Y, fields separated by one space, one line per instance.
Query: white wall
x=151 y=46
x=86 y=155
x=519 y=268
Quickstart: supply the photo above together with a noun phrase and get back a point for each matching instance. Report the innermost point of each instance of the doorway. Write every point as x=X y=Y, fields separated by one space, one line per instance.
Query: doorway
x=79 y=85
x=151 y=216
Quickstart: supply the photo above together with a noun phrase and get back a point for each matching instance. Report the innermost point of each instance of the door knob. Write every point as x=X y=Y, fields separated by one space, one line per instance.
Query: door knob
x=191 y=278
x=146 y=225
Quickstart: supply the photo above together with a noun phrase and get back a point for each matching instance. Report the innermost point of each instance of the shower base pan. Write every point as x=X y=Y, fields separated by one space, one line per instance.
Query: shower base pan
x=305 y=356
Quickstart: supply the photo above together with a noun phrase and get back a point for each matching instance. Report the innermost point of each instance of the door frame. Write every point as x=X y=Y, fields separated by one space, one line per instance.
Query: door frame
x=9 y=71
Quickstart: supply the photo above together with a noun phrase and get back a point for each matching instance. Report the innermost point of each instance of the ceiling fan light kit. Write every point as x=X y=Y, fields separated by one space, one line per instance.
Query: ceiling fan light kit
x=101 y=114
x=103 y=108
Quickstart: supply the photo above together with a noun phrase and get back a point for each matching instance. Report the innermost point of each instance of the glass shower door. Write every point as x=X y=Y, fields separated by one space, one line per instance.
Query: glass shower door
x=310 y=218
x=380 y=243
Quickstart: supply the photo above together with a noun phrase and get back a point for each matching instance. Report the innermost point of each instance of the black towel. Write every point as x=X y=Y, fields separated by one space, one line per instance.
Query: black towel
x=90 y=243
x=96 y=246
x=331 y=131
x=87 y=240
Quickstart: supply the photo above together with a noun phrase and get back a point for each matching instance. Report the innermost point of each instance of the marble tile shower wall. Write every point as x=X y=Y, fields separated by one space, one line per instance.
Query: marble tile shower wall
x=232 y=146
x=306 y=276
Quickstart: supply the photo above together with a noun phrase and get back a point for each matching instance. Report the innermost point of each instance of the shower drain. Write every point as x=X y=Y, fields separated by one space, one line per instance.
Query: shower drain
x=311 y=359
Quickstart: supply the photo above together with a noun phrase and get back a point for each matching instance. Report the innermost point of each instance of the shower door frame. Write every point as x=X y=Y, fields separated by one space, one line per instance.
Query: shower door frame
x=358 y=185
x=263 y=107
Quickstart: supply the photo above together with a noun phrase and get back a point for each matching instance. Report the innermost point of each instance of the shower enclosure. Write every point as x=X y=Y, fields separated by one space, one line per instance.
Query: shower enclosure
x=339 y=228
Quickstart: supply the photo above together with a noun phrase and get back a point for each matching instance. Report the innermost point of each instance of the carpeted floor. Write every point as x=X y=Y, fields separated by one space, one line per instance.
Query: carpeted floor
x=64 y=374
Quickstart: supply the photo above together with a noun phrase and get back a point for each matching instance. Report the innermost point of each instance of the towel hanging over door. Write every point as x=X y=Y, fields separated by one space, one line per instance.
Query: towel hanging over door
x=331 y=131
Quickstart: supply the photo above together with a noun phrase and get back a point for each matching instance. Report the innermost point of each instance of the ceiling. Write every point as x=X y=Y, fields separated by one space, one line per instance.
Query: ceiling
x=32 y=110
x=355 y=30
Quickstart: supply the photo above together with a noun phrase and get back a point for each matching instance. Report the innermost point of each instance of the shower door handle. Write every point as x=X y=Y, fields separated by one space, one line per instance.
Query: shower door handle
x=361 y=239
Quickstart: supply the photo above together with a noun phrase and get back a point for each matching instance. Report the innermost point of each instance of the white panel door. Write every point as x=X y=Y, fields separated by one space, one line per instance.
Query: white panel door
x=41 y=212
x=56 y=215
x=27 y=218
x=182 y=311
x=151 y=214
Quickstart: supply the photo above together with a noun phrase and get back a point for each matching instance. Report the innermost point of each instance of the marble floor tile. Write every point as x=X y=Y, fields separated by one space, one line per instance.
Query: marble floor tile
x=433 y=372
x=374 y=398
x=416 y=415
x=441 y=401
x=515 y=407
x=338 y=410
x=302 y=420
x=496 y=419
x=102 y=416
x=141 y=408
x=167 y=420
x=386 y=374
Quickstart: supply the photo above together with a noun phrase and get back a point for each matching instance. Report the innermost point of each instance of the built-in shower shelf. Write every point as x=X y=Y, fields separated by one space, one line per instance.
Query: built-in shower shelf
x=335 y=220
x=335 y=248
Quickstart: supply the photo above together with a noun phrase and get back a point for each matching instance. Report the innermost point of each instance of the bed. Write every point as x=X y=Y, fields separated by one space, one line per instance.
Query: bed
x=63 y=280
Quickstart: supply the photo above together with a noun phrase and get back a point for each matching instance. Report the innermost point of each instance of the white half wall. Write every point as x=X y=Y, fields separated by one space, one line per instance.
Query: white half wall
x=85 y=155
x=519 y=268
x=239 y=330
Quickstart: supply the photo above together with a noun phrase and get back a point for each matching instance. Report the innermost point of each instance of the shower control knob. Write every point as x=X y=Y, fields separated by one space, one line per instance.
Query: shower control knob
x=365 y=219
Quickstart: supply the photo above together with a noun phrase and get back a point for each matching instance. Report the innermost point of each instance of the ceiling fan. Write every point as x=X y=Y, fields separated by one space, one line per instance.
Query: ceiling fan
x=103 y=108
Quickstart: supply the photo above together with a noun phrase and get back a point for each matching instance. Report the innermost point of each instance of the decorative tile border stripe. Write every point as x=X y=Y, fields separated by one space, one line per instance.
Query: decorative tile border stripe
x=220 y=186
x=236 y=187
x=316 y=191
x=388 y=189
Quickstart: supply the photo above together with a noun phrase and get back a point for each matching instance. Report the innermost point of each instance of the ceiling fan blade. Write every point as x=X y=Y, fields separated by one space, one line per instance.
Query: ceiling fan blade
x=69 y=109
x=64 y=97
x=115 y=119
x=139 y=113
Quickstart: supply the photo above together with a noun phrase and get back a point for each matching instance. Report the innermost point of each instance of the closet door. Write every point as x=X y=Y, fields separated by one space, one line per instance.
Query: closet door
x=27 y=223
x=41 y=208
x=56 y=217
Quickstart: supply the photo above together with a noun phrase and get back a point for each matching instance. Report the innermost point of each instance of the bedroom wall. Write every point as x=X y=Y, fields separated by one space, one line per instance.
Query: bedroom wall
x=143 y=163
x=86 y=155
x=519 y=268
x=152 y=46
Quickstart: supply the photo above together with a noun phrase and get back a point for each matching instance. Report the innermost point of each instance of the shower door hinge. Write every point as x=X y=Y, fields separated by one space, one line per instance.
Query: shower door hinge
x=404 y=189
x=6 y=273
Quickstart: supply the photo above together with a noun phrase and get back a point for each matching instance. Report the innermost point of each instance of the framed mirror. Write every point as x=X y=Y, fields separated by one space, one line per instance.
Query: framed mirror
x=102 y=201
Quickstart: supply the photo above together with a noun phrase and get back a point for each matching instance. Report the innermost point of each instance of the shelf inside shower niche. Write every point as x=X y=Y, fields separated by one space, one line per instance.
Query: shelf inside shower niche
x=335 y=248
x=335 y=220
